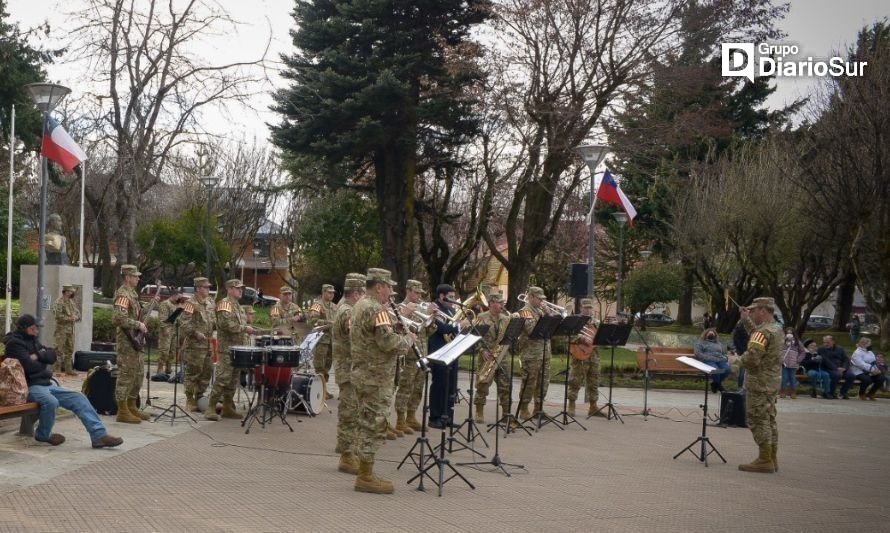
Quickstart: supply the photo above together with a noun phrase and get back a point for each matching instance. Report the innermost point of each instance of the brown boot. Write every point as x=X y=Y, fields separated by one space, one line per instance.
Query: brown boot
x=593 y=410
x=523 y=411
x=480 y=413
x=348 y=463
x=774 y=452
x=411 y=421
x=191 y=404
x=571 y=409
x=210 y=413
x=131 y=405
x=124 y=415
x=782 y=393
x=228 y=408
x=764 y=462
x=862 y=396
x=401 y=425
x=390 y=433
x=366 y=481
x=538 y=408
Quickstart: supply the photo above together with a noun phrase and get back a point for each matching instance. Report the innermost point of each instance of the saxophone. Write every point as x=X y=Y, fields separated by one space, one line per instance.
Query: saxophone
x=489 y=368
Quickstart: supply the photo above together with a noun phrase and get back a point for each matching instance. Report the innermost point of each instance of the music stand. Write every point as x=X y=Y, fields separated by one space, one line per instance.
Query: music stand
x=611 y=335
x=496 y=458
x=171 y=411
x=509 y=421
x=706 y=371
x=646 y=377
x=473 y=431
x=571 y=325
x=544 y=331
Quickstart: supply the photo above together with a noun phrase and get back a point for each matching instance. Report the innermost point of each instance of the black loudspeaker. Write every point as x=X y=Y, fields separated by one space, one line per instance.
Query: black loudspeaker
x=84 y=361
x=578 y=280
x=732 y=409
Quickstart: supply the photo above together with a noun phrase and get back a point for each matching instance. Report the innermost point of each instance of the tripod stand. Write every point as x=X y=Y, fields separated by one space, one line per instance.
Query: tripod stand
x=272 y=405
x=472 y=428
x=174 y=408
x=544 y=330
x=571 y=325
x=509 y=421
x=148 y=396
x=612 y=335
x=421 y=452
x=496 y=458
x=648 y=349
x=703 y=438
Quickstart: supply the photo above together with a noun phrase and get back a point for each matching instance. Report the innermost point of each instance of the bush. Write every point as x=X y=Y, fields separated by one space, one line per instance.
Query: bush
x=103 y=329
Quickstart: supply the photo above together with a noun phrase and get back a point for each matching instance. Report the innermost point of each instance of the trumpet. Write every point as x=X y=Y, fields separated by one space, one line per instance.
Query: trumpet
x=549 y=308
x=424 y=318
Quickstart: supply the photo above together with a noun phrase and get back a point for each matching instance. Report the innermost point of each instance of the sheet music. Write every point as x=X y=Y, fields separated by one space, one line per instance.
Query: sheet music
x=450 y=352
x=696 y=364
x=308 y=344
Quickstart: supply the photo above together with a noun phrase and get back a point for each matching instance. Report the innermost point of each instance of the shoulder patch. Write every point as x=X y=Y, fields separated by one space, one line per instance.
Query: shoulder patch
x=187 y=307
x=758 y=341
x=316 y=308
x=275 y=312
x=224 y=305
x=382 y=319
x=526 y=314
x=123 y=302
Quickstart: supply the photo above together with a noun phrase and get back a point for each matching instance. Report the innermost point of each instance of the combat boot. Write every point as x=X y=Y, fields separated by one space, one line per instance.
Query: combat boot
x=390 y=434
x=124 y=415
x=366 y=481
x=401 y=425
x=774 y=454
x=348 y=463
x=228 y=408
x=131 y=405
x=191 y=405
x=523 y=411
x=210 y=413
x=571 y=409
x=480 y=414
x=764 y=462
x=593 y=410
x=411 y=421
x=538 y=408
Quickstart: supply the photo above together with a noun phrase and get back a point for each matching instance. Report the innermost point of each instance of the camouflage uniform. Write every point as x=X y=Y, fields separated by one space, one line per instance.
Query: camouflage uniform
x=130 y=362
x=763 y=364
x=341 y=351
x=166 y=350
x=66 y=314
x=231 y=326
x=282 y=316
x=411 y=378
x=496 y=327
x=587 y=371
x=530 y=354
x=321 y=315
x=197 y=317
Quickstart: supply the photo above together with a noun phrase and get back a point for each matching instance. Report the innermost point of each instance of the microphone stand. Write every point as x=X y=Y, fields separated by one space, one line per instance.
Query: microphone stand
x=648 y=349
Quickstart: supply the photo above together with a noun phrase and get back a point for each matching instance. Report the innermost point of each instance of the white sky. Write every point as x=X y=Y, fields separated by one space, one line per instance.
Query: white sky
x=819 y=27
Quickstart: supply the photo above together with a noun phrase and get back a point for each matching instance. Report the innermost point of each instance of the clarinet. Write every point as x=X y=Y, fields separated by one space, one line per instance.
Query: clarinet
x=421 y=360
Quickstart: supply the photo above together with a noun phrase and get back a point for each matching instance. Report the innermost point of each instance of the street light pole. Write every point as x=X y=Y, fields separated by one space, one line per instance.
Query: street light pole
x=621 y=217
x=46 y=97
x=593 y=155
x=209 y=183
x=256 y=255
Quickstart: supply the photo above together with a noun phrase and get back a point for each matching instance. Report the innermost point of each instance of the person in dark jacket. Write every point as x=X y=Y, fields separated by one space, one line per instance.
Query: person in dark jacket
x=740 y=338
x=37 y=361
x=443 y=386
x=834 y=361
x=812 y=363
x=709 y=350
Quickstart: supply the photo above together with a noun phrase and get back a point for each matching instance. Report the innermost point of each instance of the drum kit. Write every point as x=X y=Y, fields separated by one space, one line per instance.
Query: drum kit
x=283 y=378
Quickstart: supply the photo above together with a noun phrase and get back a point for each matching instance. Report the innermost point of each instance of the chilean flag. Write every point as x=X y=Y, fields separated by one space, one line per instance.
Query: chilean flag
x=60 y=148
x=611 y=193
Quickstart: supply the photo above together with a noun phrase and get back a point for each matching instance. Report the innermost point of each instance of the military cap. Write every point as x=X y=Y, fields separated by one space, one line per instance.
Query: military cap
x=496 y=297
x=234 y=284
x=586 y=302
x=285 y=289
x=380 y=275
x=71 y=288
x=201 y=282
x=248 y=309
x=130 y=270
x=327 y=287
x=414 y=285
x=763 y=301
x=536 y=291
x=355 y=281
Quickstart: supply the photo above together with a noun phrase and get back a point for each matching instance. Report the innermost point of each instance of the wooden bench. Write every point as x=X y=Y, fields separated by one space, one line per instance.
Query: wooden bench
x=663 y=360
x=28 y=412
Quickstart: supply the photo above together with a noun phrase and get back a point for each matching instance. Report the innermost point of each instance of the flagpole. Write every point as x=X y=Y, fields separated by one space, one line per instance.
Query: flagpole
x=9 y=208
x=83 y=180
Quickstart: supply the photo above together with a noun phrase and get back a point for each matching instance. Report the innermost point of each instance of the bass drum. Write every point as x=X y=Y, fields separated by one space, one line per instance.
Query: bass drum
x=311 y=388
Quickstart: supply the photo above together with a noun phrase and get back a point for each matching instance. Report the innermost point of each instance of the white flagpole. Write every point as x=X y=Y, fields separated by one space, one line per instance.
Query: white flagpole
x=9 y=208
x=83 y=180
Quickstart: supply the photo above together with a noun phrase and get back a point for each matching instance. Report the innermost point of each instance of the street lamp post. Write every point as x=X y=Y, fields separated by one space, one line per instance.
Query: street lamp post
x=593 y=155
x=46 y=97
x=256 y=255
x=621 y=217
x=209 y=183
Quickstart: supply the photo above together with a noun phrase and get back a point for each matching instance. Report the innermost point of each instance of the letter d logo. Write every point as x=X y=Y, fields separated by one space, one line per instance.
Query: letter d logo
x=738 y=60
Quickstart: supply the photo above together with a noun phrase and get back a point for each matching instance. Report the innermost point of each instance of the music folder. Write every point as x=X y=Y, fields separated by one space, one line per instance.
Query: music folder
x=453 y=350
x=696 y=364
x=173 y=316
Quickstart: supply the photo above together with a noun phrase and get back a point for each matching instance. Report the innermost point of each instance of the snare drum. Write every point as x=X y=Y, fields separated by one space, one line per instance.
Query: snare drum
x=275 y=377
x=311 y=388
x=245 y=356
x=282 y=356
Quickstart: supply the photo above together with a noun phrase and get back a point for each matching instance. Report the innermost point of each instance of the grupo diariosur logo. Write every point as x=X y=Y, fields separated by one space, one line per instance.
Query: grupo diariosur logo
x=782 y=60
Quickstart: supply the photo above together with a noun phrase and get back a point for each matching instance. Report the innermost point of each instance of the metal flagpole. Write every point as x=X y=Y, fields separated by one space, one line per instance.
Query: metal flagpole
x=83 y=180
x=9 y=208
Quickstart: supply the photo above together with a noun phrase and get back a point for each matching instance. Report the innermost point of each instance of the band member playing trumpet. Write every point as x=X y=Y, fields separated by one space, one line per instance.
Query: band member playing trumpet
x=411 y=379
x=585 y=364
x=492 y=357
x=530 y=353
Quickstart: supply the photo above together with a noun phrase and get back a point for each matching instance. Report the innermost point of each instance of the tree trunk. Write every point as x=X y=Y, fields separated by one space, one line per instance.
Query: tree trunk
x=684 y=308
x=395 y=203
x=520 y=272
x=844 y=305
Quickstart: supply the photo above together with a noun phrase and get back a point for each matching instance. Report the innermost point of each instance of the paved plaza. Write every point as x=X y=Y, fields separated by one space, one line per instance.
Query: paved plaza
x=210 y=476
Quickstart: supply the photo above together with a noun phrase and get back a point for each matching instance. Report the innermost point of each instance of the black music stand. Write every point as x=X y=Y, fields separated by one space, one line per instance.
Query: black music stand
x=171 y=411
x=544 y=331
x=571 y=325
x=706 y=371
x=509 y=422
x=646 y=377
x=611 y=335
x=473 y=431
x=496 y=458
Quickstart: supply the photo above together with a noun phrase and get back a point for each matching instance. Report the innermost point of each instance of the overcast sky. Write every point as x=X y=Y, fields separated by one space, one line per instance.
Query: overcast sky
x=818 y=27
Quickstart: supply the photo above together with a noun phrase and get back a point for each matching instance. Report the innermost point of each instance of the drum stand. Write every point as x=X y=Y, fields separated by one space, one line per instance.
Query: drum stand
x=473 y=431
x=271 y=407
x=290 y=404
x=703 y=438
x=171 y=411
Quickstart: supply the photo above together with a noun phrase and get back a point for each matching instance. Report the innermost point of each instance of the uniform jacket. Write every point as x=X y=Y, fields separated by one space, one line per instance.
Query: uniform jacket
x=125 y=315
x=496 y=327
x=282 y=316
x=437 y=338
x=231 y=324
x=65 y=313
x=341 y=347
x=165 y=309
x=321 y=315
x=375 y=344
x=197 y=317
x=529 y=348
x=20 y=346
x=763 y=358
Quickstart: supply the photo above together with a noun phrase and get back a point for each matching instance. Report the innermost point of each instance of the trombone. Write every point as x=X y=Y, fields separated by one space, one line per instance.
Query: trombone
x=549 y=308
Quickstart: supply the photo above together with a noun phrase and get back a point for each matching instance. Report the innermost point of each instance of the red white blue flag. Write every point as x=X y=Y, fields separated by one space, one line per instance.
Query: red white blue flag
x=611 y=193
x=60 y=148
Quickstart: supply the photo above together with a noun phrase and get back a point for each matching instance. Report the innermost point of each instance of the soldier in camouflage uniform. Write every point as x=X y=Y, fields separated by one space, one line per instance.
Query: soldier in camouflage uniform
x=411 y=377
x=285 y=314
x=166 y=350
x=321 y=315
x=196 y=327
x=763 y=364
x=530 y=354
x=353 y=290
x=248 y=314
x=130 y=361
x=585 y=371
x=489 y=348
x=232 y=330
x=375 y=350
x=66 y=314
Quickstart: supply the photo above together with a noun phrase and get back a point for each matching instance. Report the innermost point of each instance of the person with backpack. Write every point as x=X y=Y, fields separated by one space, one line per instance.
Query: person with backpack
x=37 y=360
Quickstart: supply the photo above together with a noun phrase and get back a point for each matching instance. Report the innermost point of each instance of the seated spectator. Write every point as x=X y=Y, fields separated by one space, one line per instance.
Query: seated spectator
x=812 y=363
x=709 y=350
x=37 y=361
x=793 y=353
x=834 y=361
x=864 y=367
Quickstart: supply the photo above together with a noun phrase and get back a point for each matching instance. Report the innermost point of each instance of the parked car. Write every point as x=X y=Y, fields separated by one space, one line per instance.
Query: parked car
x=657 y=319
x=148 y=292
x=818 y=322
x=250 y=297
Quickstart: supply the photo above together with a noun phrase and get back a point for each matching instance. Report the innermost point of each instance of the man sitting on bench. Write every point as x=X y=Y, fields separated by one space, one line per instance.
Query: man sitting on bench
x=37 y=361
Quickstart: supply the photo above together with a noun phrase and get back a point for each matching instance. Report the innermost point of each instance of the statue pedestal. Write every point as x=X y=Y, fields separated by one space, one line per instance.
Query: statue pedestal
x=54 y=278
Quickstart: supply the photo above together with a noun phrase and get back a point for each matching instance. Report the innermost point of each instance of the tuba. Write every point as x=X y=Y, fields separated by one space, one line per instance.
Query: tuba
x=466 y=311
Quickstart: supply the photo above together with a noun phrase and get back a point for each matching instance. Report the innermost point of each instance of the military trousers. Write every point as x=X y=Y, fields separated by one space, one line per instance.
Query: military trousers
x=374 y=401
x=410 y=386
x=532 y=368
x=198 y=368
x=585 y=373
x=166 y=351
x=64 y=338
x=501 y=379
x=347 y=410
x=226 y=381
x=322 y=360
x=760 y=415
x=131 y=371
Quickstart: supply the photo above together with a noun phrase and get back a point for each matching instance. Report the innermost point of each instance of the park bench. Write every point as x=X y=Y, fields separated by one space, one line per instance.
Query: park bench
x=663 y=360
x=28 y=412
